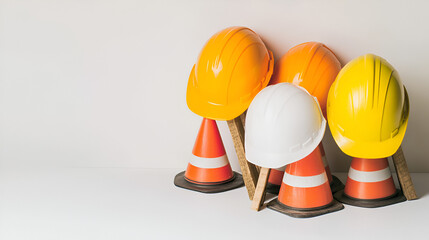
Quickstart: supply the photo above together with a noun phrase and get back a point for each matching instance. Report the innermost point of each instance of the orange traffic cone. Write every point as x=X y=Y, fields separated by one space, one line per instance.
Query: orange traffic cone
x=305 y=190
x=275 y=180
x=334 y=182
x=370 y=184
x=209 y=170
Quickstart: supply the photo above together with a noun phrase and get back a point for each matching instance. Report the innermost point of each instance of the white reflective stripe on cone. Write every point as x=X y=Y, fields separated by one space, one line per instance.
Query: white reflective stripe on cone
x=281 y=169
x=325 y=162
x=373 y=176
x=305 y=182
x=201 y=162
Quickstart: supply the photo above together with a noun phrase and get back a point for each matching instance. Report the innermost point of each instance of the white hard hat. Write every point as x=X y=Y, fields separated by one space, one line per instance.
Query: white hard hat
x=284 y=124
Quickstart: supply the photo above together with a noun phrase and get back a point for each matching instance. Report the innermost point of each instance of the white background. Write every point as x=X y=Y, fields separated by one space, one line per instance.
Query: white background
x=94 y=123
x=103 y=83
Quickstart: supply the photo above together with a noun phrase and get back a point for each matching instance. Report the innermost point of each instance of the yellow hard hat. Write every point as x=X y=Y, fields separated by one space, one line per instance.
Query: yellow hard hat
x=232 y=68
x=368 y=108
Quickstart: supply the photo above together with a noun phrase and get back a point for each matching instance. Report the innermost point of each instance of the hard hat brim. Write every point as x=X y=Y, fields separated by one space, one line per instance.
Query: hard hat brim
x=198 y=103
x=277 y=160
x=369 y=149
x=373 y=149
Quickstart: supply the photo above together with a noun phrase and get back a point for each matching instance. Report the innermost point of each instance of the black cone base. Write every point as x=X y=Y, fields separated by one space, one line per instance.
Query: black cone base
x=336 y=184
x=236 y=182
x=272 y=188
x=396 y=198
x=300 y=213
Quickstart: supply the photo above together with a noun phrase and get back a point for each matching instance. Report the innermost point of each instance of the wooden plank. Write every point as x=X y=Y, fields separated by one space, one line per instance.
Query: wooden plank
x=243 y=119
x=404 y=177
x=259 y=197
x=248 y=170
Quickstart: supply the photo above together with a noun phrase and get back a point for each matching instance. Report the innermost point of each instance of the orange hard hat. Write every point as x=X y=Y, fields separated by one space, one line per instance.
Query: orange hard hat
x=310 y=65
x=231 y=69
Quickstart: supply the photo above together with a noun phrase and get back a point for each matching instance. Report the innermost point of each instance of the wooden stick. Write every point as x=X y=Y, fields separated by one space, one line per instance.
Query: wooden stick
x=404 y=177
x=259 y=197
x=243 y=119
x=249 y=171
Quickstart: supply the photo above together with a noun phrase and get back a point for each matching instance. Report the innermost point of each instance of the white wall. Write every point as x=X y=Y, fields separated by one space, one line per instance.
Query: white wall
x=103 y=83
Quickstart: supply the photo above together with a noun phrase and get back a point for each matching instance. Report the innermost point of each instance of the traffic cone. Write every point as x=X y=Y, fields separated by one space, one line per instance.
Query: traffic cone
x=370 y=184
x=275 y=180
x=335 y=183
x=305 y=190
x=209 y=170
